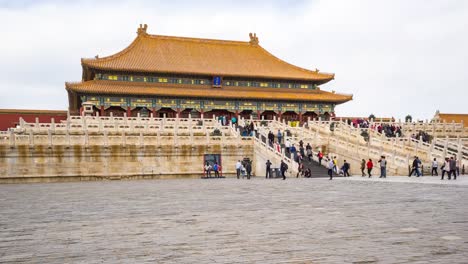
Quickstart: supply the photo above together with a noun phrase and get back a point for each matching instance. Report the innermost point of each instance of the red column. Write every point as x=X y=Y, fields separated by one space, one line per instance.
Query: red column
x=201 y=113
x=102 y=111
x=81 y=110
x=153 y=110
x=279 y=116
x=300 y=118
x=129 y=111
x=237 y=114
x=178 y=112
x=258 y=115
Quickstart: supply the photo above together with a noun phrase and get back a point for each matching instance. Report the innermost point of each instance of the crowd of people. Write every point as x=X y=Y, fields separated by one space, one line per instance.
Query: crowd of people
x=389 y=130
x=421 y=135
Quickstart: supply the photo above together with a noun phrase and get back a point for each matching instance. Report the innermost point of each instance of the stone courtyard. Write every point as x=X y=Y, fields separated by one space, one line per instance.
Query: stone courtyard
x=355 y=220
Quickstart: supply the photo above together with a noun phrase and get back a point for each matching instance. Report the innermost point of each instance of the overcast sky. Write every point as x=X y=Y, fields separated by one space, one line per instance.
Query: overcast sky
x=396 y=57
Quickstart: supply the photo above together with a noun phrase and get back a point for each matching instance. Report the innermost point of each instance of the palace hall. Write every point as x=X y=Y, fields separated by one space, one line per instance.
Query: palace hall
x=177 y=76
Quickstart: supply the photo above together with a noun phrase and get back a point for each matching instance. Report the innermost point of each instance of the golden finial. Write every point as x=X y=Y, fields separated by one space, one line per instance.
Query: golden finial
x=253 y=38
x=96 y=57
x=142 y=29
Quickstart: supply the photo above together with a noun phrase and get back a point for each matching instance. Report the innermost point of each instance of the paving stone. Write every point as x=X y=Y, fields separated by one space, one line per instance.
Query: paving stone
x=355 y=220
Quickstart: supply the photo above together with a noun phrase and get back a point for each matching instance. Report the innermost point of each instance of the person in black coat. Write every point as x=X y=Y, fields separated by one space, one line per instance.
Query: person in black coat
x=283 y=168
x=248 y=169
x=268 y=169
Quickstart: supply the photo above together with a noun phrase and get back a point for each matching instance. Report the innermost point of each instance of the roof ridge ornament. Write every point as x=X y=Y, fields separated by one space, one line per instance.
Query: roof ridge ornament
x=142 y=29
x=253 y=39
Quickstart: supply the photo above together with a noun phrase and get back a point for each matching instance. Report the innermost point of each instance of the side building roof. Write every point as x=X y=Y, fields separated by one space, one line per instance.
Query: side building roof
x=204 y=91
x=196 y=56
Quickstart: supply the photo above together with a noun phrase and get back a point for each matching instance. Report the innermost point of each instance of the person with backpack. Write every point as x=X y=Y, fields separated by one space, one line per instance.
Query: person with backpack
x=383 y=167
x=283 y=168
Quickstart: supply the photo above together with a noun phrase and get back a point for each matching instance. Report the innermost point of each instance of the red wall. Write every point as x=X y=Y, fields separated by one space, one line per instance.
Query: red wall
x=10 y=118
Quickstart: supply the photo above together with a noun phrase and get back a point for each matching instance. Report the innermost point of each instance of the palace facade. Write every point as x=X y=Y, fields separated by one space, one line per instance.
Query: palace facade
x=177 y=76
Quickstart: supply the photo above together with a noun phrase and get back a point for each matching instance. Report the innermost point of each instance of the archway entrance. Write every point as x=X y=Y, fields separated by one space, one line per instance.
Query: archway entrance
x=144 y=112
x=168 y=112
x=290 y=116
x=246 y=114
x=193 y=112
x=115 y=110
x=268 y=115
x=311 y=114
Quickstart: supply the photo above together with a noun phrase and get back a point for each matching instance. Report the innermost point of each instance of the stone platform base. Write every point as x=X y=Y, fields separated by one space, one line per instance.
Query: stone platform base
x=75 y=178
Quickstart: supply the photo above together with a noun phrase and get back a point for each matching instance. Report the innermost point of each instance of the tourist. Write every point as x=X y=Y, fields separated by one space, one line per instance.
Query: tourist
x=293 y=152
x=279 y=136
x=271 y=138
x=301 y=150
x=363 y=167
x=301 y=143
x=446 y=169
x=208 y=170
x=345 y=168
x=300 y=169
x=383 y=167
x=320 y=157
x=453 y=168
x=238 y=168
x=335 y=164
x=216 y=169
x=309 y=152
x=435 y=166
x=331 y=165
x=283 y=168
x=268 y=169
x=307 y=173
x=248 y=169
x=458 y=162
x=370 y=165
x=287 y=146
x=234 y=120
x=414 y=167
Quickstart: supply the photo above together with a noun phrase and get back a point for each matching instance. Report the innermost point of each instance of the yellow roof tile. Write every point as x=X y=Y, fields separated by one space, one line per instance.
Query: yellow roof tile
x=180 y=55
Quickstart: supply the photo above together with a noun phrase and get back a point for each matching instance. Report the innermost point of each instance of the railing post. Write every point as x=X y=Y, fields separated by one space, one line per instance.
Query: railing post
x=31 y=138
x=12 y=138
x=49 y=137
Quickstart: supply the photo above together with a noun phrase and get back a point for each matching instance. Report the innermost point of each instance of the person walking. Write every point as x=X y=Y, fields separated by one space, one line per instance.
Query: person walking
x=309 y=151
x=248 y=169
x=268 y=169
x=216 y=169
x=370 y=165
x=320 y=157
x=453 y=168
x=238 y=168
x=346 y=167
x=363 y=167
x=414 y=167
x=446 y=169
x=330 y=168
x=287 y=146
x=208 y=170
x=383 y=167
x=335 y=163
x=300 y=169
x=279 y=136
x=283 y=168
x=435 y=166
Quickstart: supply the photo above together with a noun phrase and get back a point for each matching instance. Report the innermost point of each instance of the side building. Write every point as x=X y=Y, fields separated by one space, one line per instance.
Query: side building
x=177 y=76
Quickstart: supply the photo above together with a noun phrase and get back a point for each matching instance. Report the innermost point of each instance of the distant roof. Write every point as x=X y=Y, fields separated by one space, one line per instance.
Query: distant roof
x=182 y=55
x=457 y=118
x=205 y=91
x=32 y=111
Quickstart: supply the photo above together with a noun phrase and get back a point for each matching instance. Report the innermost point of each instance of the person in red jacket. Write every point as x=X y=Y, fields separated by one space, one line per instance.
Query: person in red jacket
x=370 y=165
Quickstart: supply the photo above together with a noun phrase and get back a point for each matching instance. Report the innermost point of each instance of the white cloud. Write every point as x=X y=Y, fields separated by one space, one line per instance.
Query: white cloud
x=396 y=57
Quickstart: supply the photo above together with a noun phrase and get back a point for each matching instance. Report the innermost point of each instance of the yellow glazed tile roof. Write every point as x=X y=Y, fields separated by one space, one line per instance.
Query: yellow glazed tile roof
x=180 y=55
x=204 y=91
x=457 y=118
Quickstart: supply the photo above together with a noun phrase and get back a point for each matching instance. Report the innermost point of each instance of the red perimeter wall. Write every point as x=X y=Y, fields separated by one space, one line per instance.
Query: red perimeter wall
x=10 y=117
